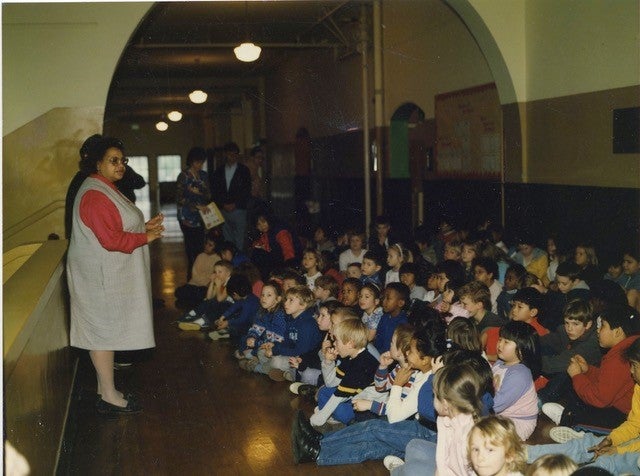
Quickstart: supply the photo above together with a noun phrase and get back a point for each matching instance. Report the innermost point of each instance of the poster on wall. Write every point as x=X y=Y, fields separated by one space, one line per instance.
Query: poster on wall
x=469 y=133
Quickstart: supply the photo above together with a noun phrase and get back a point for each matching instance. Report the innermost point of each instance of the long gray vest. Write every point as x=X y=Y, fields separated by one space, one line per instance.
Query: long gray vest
x=110 y=291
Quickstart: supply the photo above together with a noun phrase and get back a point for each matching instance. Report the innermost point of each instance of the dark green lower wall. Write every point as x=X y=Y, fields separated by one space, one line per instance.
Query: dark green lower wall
x=608 y=217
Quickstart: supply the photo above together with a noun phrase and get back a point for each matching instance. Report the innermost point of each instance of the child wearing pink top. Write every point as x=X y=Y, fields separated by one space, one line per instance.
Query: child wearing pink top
x=456 y=391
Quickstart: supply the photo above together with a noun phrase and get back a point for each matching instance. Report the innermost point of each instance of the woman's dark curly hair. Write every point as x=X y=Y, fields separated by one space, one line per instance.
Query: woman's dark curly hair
x=93 y=152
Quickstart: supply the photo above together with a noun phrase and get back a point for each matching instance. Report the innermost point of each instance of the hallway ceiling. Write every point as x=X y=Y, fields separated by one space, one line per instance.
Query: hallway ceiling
x=182 y=46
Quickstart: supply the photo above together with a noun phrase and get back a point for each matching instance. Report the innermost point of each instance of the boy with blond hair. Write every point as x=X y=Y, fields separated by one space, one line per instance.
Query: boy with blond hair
x=352 y=375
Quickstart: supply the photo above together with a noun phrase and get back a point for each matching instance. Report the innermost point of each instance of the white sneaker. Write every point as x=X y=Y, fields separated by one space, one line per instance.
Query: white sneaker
x=289 y=375
x=217 y=335
x=293 y=388
x=392 y=462
x=553 y=411
x=562 y=434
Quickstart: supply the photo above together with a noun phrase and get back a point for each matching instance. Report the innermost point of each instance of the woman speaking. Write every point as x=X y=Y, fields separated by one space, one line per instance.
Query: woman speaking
x=108 y=271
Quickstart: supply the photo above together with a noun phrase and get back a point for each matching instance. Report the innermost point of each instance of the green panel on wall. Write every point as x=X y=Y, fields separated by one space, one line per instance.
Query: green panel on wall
x=399 y=163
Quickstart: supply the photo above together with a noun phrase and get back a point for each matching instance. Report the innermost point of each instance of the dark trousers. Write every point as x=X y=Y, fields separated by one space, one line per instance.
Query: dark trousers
x=578 y=413
x=191 y=294
x=193 y=244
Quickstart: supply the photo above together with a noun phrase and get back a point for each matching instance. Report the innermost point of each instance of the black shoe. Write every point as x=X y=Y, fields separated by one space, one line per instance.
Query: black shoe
x=305 y=428
x=308 y=392
x=110 y=410
x=304 y=450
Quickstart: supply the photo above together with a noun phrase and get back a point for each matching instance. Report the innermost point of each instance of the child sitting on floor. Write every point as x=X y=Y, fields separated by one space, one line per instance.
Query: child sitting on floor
x=354 y=270
x=369 y=303
x=217 y=301
x=371 y=268
x=494 y=448
x=237 y=319
x=384 y=379
x=577 y=336
x=269 y=326
x=305 y=369
x=301 y=335
x=195 y=290
x=350 y=292
x=354 y=373
x=326 y=289
x=396 y=297
x=485 y=270
x=517 y=367
x=312 y=263
x=476 y=299
x=513 y=280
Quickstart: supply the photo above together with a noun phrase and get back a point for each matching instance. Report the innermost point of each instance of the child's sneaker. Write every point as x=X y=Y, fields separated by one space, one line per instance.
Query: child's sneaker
x=553 y=411
x=188 y=317
x=198 y=325
x=276 y=375
x=217 y=335
x=249 y=364
x=392 y=462
x=562 y=434
x=289 y=375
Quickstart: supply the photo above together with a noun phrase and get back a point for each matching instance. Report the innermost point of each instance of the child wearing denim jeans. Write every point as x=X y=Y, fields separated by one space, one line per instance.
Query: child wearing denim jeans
x=354 y=373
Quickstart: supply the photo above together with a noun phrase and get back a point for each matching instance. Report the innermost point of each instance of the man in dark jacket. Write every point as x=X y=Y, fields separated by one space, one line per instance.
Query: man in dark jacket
x=231 y=189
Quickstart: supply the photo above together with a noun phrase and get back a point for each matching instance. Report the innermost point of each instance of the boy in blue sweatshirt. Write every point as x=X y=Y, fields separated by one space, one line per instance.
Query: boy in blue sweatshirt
x=237 y=319
x=395 y=298
x=301 y=334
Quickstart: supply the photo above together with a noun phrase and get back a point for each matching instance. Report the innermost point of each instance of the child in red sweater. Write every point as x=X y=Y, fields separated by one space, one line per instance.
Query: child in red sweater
x=603 y=394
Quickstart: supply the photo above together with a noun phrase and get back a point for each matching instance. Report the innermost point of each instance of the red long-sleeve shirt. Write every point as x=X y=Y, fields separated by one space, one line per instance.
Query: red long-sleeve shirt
x=283 y=238
x=100 y=214
x=609 y=385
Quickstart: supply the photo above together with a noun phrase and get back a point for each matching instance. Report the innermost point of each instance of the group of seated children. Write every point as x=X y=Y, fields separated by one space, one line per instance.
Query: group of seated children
x=434 y=364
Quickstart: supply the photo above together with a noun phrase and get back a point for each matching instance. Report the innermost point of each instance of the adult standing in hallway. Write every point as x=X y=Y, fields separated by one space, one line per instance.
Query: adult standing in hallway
x=231 y=184
x=257 y=202
x=108 y=270
x=192 y=195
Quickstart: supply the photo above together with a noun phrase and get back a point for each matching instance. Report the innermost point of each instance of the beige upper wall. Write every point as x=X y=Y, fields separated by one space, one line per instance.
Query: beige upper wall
x=427 y=51
x=579 y=46
x=61 y=55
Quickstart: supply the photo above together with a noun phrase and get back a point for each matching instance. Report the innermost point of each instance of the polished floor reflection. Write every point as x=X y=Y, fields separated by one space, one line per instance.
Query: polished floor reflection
x=202 y=415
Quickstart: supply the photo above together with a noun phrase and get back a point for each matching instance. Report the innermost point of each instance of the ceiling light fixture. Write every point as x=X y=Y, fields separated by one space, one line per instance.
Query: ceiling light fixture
x=162 y=126
x=247 y=51
x=198 y=96
x=174 y=116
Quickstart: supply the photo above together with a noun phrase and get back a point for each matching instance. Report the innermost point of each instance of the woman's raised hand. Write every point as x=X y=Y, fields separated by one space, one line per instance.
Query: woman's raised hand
x=154 y=222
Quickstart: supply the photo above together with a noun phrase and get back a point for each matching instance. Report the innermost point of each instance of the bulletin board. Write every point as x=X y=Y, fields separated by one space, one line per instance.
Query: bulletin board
x=469 y=133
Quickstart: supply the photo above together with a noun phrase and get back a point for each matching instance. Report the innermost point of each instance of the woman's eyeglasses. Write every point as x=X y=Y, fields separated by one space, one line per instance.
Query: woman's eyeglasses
x=116 y=161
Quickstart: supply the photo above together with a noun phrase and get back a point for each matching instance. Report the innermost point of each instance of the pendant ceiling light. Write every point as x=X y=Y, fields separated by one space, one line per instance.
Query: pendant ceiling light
x=247 y=51
x=162 y=126
x=197 y=96
x=174 y=116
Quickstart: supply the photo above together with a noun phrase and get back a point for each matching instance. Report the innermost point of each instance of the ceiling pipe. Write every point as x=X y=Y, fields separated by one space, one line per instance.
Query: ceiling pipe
x=150 y=46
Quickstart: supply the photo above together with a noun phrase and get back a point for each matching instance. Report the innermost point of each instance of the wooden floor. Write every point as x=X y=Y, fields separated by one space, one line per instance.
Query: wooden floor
x=202 y=414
